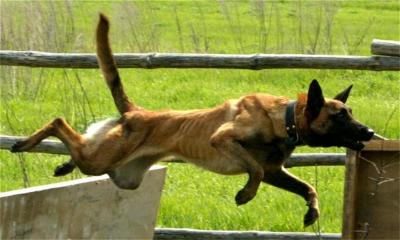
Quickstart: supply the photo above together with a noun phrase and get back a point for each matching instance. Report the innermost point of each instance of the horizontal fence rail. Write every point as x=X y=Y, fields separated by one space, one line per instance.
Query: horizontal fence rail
x=296 y=160
x=176 y=60
x=385 y=47
x=192 y=234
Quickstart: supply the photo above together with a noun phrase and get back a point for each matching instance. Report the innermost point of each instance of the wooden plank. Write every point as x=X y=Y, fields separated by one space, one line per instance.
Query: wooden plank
x=382 y=145
x=296 y=160
x=377 y=207
x=315 y=159
x=177 y=60
x=350 y=185
x=194 y=234
x=372 y=192
x=89 y=208
x=385 y=47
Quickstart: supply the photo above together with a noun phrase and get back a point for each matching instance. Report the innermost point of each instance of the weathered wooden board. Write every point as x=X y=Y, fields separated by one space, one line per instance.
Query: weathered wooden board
x=195 y=234
x=372 y=192
x=89 y=208
x=296 y=160
x=385 y=47
x=182 y=60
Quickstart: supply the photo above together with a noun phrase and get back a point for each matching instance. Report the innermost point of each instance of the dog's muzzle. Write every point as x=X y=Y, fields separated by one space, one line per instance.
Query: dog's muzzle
x=364 y=134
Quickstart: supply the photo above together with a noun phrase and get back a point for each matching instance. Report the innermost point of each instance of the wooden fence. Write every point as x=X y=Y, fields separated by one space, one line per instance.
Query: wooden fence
x=244 y=61
x=386 y=58
x=296 y=160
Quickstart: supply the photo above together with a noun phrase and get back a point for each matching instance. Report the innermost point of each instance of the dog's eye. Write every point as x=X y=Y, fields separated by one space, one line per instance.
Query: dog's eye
x=342 y=113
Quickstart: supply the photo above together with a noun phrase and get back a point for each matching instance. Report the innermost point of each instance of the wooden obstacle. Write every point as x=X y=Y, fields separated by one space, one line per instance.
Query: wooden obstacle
x=372 y=192
x=88 y=208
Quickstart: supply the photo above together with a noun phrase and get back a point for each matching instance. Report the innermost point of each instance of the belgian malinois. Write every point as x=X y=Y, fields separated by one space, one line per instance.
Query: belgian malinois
x=254 y=134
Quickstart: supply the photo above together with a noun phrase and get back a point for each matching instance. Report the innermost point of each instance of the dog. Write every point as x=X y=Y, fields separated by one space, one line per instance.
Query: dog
x=254 y=134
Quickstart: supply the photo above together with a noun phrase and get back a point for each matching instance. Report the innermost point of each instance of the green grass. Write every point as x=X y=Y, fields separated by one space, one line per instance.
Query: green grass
x=192 y=197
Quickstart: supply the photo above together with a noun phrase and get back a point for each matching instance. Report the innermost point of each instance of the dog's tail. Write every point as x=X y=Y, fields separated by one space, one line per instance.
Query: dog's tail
x=109 y=67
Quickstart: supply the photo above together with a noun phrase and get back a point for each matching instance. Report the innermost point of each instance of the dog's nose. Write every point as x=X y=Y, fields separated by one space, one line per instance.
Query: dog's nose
x=368 y=133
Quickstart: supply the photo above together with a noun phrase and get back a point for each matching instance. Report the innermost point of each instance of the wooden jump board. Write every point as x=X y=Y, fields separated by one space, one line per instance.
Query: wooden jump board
x=372 y=192
x=88 y=208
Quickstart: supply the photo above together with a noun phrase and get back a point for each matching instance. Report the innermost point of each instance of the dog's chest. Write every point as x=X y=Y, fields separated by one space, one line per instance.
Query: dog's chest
x=273 y=152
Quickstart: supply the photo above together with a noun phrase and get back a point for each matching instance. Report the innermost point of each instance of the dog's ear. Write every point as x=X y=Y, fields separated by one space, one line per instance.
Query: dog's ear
x=344 y=94
x=315 y=100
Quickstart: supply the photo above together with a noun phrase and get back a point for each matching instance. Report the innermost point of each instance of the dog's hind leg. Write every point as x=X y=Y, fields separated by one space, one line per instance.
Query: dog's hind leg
x=130 y=174
x=225 y=140
x=283 y=179
x=64 y=168
x=57 y=128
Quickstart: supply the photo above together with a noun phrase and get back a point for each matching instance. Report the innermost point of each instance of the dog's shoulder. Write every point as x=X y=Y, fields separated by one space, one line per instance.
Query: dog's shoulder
x=263 y=102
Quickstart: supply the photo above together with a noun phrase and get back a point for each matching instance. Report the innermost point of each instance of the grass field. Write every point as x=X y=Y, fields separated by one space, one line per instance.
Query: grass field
x=192 y=197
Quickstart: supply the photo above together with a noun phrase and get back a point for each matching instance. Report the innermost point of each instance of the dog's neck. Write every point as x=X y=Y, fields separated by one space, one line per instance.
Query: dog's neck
x=296 y=123
x=301 y=121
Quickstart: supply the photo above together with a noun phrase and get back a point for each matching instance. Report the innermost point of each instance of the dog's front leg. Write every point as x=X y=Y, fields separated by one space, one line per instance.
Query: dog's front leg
x=283 y=179
x=225 y=140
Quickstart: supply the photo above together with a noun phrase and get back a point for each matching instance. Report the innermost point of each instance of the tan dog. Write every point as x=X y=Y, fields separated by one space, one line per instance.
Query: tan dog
x=254 y=134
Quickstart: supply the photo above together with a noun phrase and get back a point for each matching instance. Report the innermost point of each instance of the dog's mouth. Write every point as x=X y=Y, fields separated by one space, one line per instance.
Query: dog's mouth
x=353 y=144
x=356 y=144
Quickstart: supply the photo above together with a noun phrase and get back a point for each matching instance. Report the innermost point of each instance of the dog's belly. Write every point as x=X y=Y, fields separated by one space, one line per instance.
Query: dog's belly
x=217 y=164
x=199 y=152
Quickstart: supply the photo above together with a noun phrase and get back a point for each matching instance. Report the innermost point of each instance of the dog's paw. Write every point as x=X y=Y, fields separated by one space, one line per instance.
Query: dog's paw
x=243 y=197
x=18 y=146
x=311 y=216
x=64 y=169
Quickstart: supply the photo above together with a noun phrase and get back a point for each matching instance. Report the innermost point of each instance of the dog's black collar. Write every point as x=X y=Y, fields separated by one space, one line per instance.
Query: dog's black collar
x=290 y=125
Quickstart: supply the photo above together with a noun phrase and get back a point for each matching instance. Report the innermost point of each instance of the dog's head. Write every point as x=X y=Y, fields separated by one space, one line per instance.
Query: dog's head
x=330 y=122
